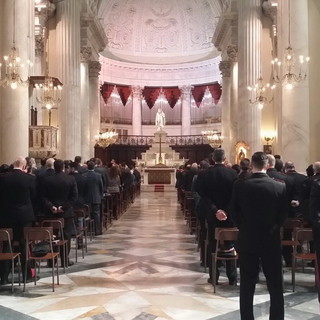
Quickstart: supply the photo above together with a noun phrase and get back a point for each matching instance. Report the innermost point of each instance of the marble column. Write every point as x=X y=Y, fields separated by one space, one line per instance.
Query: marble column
x=185 y=110
x=14 y=103
x=249 y=59
x=136 y=111
x=68 y=56
x=85 y=103
x=94 y=70
x=225 y=68
x=295 y=103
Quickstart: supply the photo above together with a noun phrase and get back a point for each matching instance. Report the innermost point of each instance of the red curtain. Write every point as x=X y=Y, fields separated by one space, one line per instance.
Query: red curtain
x=198 y=93
x=172 y=95
x=216 y=91
x=151 y=94
x=124 y=93
x=106 y=90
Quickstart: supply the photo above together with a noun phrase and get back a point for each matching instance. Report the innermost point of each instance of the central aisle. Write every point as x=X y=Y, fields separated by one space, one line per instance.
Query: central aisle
x=145 y=267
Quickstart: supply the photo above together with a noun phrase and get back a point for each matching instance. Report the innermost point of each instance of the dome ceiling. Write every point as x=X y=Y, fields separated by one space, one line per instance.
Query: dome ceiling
x=160 y=31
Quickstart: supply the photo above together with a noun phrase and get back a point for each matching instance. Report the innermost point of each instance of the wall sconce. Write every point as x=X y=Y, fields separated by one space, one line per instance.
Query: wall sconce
x=267 y=148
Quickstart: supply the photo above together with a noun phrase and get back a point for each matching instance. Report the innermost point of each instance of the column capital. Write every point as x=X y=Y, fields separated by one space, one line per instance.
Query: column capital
x=185 y=91
x=94 y=68
x=225 y=68
x=232 y=52
x=86 y=53
x=136 y=91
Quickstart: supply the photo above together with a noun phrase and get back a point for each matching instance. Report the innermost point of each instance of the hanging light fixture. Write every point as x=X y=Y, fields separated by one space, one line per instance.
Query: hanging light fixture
x=213 y=137
x=49 y=90
x=12 y=61
x=104 y=139
x=261 y=93
x=291 y=73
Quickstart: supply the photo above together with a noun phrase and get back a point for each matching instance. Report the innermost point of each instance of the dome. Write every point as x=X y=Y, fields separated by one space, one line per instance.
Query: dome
x=160 y=31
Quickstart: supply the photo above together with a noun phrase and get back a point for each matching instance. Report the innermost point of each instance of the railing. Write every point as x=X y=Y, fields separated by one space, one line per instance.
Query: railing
x=171 y=140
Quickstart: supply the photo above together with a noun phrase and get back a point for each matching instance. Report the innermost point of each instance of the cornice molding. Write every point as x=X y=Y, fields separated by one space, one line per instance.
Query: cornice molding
x=157 y=75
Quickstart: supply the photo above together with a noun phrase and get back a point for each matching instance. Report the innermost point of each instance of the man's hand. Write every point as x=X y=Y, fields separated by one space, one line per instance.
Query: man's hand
x=54 y=209
x=295 y=203
x=221 y=215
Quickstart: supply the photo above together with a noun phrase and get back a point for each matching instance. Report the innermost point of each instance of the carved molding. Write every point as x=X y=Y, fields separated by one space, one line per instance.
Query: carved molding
x=136 y=92
x=225 y=68
x=86 y=53
x=94 y=68
x=232 y=52
x=185 y=92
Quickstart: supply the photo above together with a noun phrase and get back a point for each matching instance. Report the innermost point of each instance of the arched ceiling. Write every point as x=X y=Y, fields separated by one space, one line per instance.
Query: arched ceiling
x=160 y=31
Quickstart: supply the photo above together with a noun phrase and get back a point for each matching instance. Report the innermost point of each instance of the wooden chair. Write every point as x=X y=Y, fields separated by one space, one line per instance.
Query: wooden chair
x=34 y=235
x=57 y=226
x=287 y=231
x=302 y=238
x=221 y=235
x=6 y=237
x=82 y=221
x=78 y=234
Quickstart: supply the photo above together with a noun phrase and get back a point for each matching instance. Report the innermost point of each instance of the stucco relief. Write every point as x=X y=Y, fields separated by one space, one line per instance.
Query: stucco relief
x=201 y=22
x=161 y=28
x=119 y=28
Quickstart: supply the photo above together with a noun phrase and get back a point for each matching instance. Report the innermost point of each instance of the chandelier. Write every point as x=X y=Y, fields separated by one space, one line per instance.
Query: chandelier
x=261 y=93
x=213 y=137
x=12 y=61
x=288 y=73
x=104 y=139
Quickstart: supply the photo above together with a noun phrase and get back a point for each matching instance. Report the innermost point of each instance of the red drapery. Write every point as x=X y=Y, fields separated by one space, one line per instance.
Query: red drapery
x=106 y=90
x=198 y=93
x=216 y=91
x=124 y=93
x=151 y=94
x=172 y=95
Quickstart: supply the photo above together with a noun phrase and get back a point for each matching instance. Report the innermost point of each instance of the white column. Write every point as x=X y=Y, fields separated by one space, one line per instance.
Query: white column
x=94 y=70
x=185 y=110
x=14 y=104
x=249 y=53
x=68 y=56
x=225 y=68
x=295 y=102
x=85 y=102
x=136 y=111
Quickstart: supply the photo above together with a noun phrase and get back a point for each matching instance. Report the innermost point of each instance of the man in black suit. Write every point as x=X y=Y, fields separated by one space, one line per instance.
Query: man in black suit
x=315 y=217
x=93 y=193
x=217 y=188
x=259 y=210
x=17 y=192
x=103 y=171
x=59 y=194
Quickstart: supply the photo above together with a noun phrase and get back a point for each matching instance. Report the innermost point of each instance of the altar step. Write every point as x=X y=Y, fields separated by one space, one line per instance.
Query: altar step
x=159 y=188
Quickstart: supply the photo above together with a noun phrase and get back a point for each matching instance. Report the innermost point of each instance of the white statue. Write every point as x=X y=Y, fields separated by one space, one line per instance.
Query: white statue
x=160 y=119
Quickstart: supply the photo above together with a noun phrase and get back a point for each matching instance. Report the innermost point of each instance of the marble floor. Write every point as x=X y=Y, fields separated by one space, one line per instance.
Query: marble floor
x=146 y=267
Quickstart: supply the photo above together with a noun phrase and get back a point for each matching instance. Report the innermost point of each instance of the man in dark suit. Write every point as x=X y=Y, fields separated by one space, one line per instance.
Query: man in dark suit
x=259 y=210
x=93 y=193
x=59 y=194
x=103 y=171
x=315 y=217
x=17 y=192
x=217 y=188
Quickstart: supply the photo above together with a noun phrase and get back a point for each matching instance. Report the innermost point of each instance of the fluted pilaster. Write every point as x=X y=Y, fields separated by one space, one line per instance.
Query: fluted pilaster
x=186 y=110
x=68 y=54
x=225 y=68
x=94 y=70
x=136 y=110
x=14 y=104
x=85 y=102
x=295 y=122
x=249 y=57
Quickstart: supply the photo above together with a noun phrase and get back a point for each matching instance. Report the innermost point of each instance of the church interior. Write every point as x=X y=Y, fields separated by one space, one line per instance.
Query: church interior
x=88 y=77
